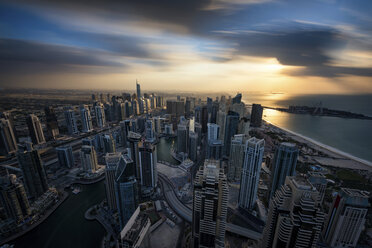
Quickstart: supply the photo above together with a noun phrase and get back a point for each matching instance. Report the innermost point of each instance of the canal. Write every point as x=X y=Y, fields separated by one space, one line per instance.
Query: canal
x=67 y=227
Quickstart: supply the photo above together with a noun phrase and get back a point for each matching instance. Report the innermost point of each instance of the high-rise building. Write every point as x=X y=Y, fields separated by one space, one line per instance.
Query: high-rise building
x=254 y=150
x=147 y=167
x=71 y=121
x=100 y=115
x=346 y=218
x=213 y=131
x=136 y=233
x=182 y=138
x=256 y=115
x=112 y=163
x=8 y=142
x=126 y=190
x=198 y=131
x=134 y=139
x=13 y=198
x=231 y=128
x=88 y=157
x=138 y=86
x=108 y=144
x=7 y=115
x=168 y=129
x=295 y=217
x=149 y=131
x=209 y=206
x=214 y=149
x=51 y=123
x=319 y=181
x=237 y=98
x=125 y=127
x=221 y=120
x=35 y=129
x=176 y=108
x=33 y=172
x=284 y=164
x=204 y=118
x=86 y=119
x=193 y=146
x=65 y=156
x=235 y=164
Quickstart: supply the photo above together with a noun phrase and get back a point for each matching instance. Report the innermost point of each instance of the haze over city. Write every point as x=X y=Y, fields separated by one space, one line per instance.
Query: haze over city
x=320 y=46
x=186 y=124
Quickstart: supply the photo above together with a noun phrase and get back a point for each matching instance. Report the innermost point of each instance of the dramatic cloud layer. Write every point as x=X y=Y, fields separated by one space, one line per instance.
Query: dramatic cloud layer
x=279 y=43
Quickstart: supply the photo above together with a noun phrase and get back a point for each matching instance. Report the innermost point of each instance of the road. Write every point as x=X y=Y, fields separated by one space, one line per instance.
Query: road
x=186 y=213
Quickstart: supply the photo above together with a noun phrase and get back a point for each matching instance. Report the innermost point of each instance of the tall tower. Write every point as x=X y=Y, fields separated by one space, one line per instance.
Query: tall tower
x=213 y=131
x=209 y=206
x=112 y=163
x=254 y=150
x=13 y=198
x=88 y=159
x=134 y=140
x=346 y=218
x=126 y=189
x=86 y=119
x=285 y=161
x=35 y=129
x=65 y=156
x=51 y=122
x=147 y=167
x=182 y=135
x=193 y=146
x=256 y=115
x=8 y=143
x=33 y=172
x=100 y=115
x=149 y=131
x=138 y=86
x=71 y=121
x=231 y=128
x=236 y=159
x=295 y=217
x=108 y=144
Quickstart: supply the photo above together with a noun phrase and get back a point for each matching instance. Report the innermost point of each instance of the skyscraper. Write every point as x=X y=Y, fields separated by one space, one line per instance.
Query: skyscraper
x=319 y=181
x=256 y=115
x=71 y=121
x=88 y=159
x=108 y=144
x=295 y=218
x=112 y=163
x=221 y=120
x=126 y=189
x=235 y=164
x=346 y=218
x=213 y=131
x=214 y=149
x=86 y=119
x=100 y=115
x=193 y=146
x=8 y=143
x=149 y=131
x=51 y=122
x=138 y=86
x=33 y=172
x=35 y=129
x=284 y=165
x=13 y=198
x=147 y=167
x=65 y=156
x=209 y=206
x=134 y=140
x=231 y=128
x=254 y=150
x=182 y=138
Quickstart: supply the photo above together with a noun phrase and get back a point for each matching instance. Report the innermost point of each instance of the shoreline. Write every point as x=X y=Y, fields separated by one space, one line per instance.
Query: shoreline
x=329 y=149
x=40 y=221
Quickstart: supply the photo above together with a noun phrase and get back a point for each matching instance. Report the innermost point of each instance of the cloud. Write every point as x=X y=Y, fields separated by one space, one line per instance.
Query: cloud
x=33 y=57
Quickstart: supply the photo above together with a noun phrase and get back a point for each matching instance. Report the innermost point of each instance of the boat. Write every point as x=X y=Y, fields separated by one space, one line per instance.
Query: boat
x=76 y=191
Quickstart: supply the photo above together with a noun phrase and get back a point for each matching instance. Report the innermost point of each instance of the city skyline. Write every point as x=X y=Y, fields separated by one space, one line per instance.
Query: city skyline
x=268 y=46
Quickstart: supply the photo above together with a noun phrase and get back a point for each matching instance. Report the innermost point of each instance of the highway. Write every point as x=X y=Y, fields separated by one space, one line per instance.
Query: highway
x=186 y=213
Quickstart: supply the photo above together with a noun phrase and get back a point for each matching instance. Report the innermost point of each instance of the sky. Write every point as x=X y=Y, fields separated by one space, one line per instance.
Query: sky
x=291 y=46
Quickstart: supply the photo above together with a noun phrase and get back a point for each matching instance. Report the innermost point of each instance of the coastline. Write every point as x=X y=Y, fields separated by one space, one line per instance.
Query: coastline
x=36 y=224
x=358 y=163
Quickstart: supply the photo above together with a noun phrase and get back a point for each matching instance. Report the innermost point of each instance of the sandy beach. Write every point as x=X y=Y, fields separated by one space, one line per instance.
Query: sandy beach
x=336 y=157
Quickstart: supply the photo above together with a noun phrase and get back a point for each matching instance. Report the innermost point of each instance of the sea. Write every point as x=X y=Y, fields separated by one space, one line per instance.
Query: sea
x=351 y=136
